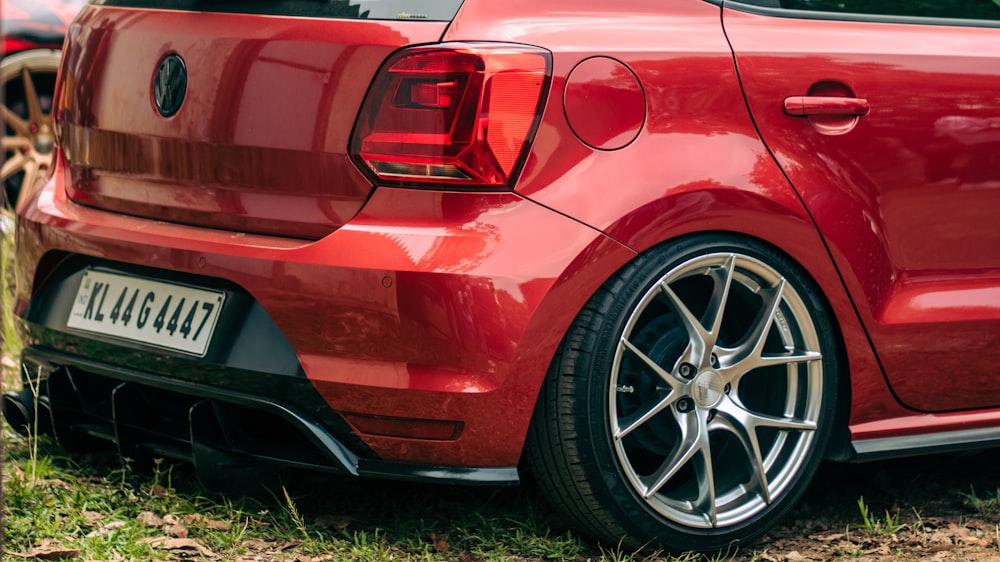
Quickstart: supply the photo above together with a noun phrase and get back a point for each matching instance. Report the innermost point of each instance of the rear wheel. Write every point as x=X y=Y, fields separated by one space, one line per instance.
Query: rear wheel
x=691 y=399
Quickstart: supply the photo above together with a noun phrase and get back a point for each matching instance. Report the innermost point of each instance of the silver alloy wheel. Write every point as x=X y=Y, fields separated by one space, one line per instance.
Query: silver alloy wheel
x=716 y=391
x=29 y=138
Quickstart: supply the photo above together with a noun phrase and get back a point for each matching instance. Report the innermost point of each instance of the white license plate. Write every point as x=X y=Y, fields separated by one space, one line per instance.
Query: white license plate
x=165 y=315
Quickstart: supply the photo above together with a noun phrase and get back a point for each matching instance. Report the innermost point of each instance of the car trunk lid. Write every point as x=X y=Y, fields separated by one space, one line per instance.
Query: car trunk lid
x=259 y=141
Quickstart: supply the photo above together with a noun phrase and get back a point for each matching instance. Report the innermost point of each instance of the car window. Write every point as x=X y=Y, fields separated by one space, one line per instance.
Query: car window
x=961 y=9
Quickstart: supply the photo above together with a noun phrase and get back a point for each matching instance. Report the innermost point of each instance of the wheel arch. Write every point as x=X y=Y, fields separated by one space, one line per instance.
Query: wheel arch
x=772 y=214
x=782 y=225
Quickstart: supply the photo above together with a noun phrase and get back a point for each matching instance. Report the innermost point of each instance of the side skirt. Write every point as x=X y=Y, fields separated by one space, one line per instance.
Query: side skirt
x=912 y=445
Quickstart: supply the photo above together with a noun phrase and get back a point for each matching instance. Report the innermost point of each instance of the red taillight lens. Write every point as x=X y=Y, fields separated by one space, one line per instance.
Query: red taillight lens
x=453 y=114
x=13 y=45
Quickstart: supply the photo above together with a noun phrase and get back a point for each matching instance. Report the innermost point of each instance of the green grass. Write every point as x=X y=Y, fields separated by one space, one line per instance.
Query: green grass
x=103 y=510
x=984 y=505
x=59 y=504
x=888 y=525
x=10 y=343
x=94 y=507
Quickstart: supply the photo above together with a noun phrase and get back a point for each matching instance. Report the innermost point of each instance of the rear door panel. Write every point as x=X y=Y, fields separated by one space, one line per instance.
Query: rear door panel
x=906 y=196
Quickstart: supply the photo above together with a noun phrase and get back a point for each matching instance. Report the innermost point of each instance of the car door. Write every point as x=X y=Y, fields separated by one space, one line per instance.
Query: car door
x=885 y=117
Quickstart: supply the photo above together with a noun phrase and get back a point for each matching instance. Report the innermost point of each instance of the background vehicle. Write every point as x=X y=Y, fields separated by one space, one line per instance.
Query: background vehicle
x=673 y=260
x=33 y=33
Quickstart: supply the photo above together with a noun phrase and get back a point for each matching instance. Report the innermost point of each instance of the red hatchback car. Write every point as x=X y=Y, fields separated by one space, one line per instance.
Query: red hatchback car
x=671 y=254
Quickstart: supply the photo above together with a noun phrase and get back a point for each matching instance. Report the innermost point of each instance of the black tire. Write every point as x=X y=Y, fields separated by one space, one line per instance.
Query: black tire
x=650 y=431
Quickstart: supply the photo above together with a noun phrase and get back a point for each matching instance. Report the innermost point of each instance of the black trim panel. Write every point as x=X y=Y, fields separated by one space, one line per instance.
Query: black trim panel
x=339 y=458
x=893 y=447
x=405 y=10
x=500 y=476
x=336 y=452
x=765 y=8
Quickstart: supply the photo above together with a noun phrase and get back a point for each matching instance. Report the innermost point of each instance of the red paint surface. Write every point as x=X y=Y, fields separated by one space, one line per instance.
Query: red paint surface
x=260 y=144
x=464 y=332
x=604 y=103
x=481 y=286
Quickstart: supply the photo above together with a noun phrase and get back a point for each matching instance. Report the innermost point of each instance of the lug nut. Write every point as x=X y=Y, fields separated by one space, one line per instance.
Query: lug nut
x=686 y=370
x=684 y=405
x=728 y=388
x=715 y=361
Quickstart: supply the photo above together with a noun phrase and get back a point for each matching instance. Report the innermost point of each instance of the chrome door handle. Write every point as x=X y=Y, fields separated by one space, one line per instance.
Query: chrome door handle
x=798 y=106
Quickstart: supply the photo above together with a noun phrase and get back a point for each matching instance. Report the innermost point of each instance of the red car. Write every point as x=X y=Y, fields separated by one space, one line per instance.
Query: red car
x=671 y=255
x=33 y=32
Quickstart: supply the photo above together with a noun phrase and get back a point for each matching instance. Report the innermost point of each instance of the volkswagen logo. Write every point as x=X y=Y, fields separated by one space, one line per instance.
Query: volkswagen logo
x=170 y=85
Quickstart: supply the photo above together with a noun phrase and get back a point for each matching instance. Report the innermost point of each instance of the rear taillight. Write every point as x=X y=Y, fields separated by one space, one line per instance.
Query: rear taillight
x=13 y=45
x=453 y=115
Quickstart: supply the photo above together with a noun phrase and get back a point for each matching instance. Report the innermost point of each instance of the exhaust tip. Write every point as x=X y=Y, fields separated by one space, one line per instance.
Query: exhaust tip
x=19 y=411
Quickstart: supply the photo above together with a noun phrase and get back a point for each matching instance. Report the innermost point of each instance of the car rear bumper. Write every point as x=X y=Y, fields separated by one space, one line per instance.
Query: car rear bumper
x=419 y=333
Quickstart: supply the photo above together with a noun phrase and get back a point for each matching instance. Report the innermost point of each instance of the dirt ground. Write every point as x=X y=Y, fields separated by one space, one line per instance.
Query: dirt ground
x=949 y=506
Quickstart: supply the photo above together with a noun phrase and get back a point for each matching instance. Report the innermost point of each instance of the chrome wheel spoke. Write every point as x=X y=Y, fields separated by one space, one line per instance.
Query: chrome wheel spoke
x=14 y=121
x=696 y=332
x=630 y=423
x=31 y=175
x=705 y=503
x=14 y=143
x=704 y=339
x=743 y=425
x=743 y=417
x=13 y=165
x=723 y=278
x=31 y=98
x=747 y=438
x=750 y=355
x=694 y=440
x=790 y=357
x=665 y=376
x=734 y=372
x=754 y=345
x=625 y=426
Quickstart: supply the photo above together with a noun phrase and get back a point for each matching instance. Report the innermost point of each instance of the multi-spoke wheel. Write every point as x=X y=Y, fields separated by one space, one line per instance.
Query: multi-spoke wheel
x=28 y=82
x=691 y=399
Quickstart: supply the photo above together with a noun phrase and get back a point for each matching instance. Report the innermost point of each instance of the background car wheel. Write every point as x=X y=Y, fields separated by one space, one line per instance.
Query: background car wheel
x=28 y=82
x=691 y=400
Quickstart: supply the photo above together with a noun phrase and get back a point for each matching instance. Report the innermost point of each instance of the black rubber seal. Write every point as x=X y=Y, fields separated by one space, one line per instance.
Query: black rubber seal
x=419 y=10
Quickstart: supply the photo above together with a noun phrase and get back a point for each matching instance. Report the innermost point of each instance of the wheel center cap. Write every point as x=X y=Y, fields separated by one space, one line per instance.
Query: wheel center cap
x=708 y=389
x=44 y=143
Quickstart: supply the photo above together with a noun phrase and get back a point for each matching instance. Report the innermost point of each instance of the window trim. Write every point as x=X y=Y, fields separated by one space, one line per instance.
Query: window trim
x=769 y=8
x=416 y=10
